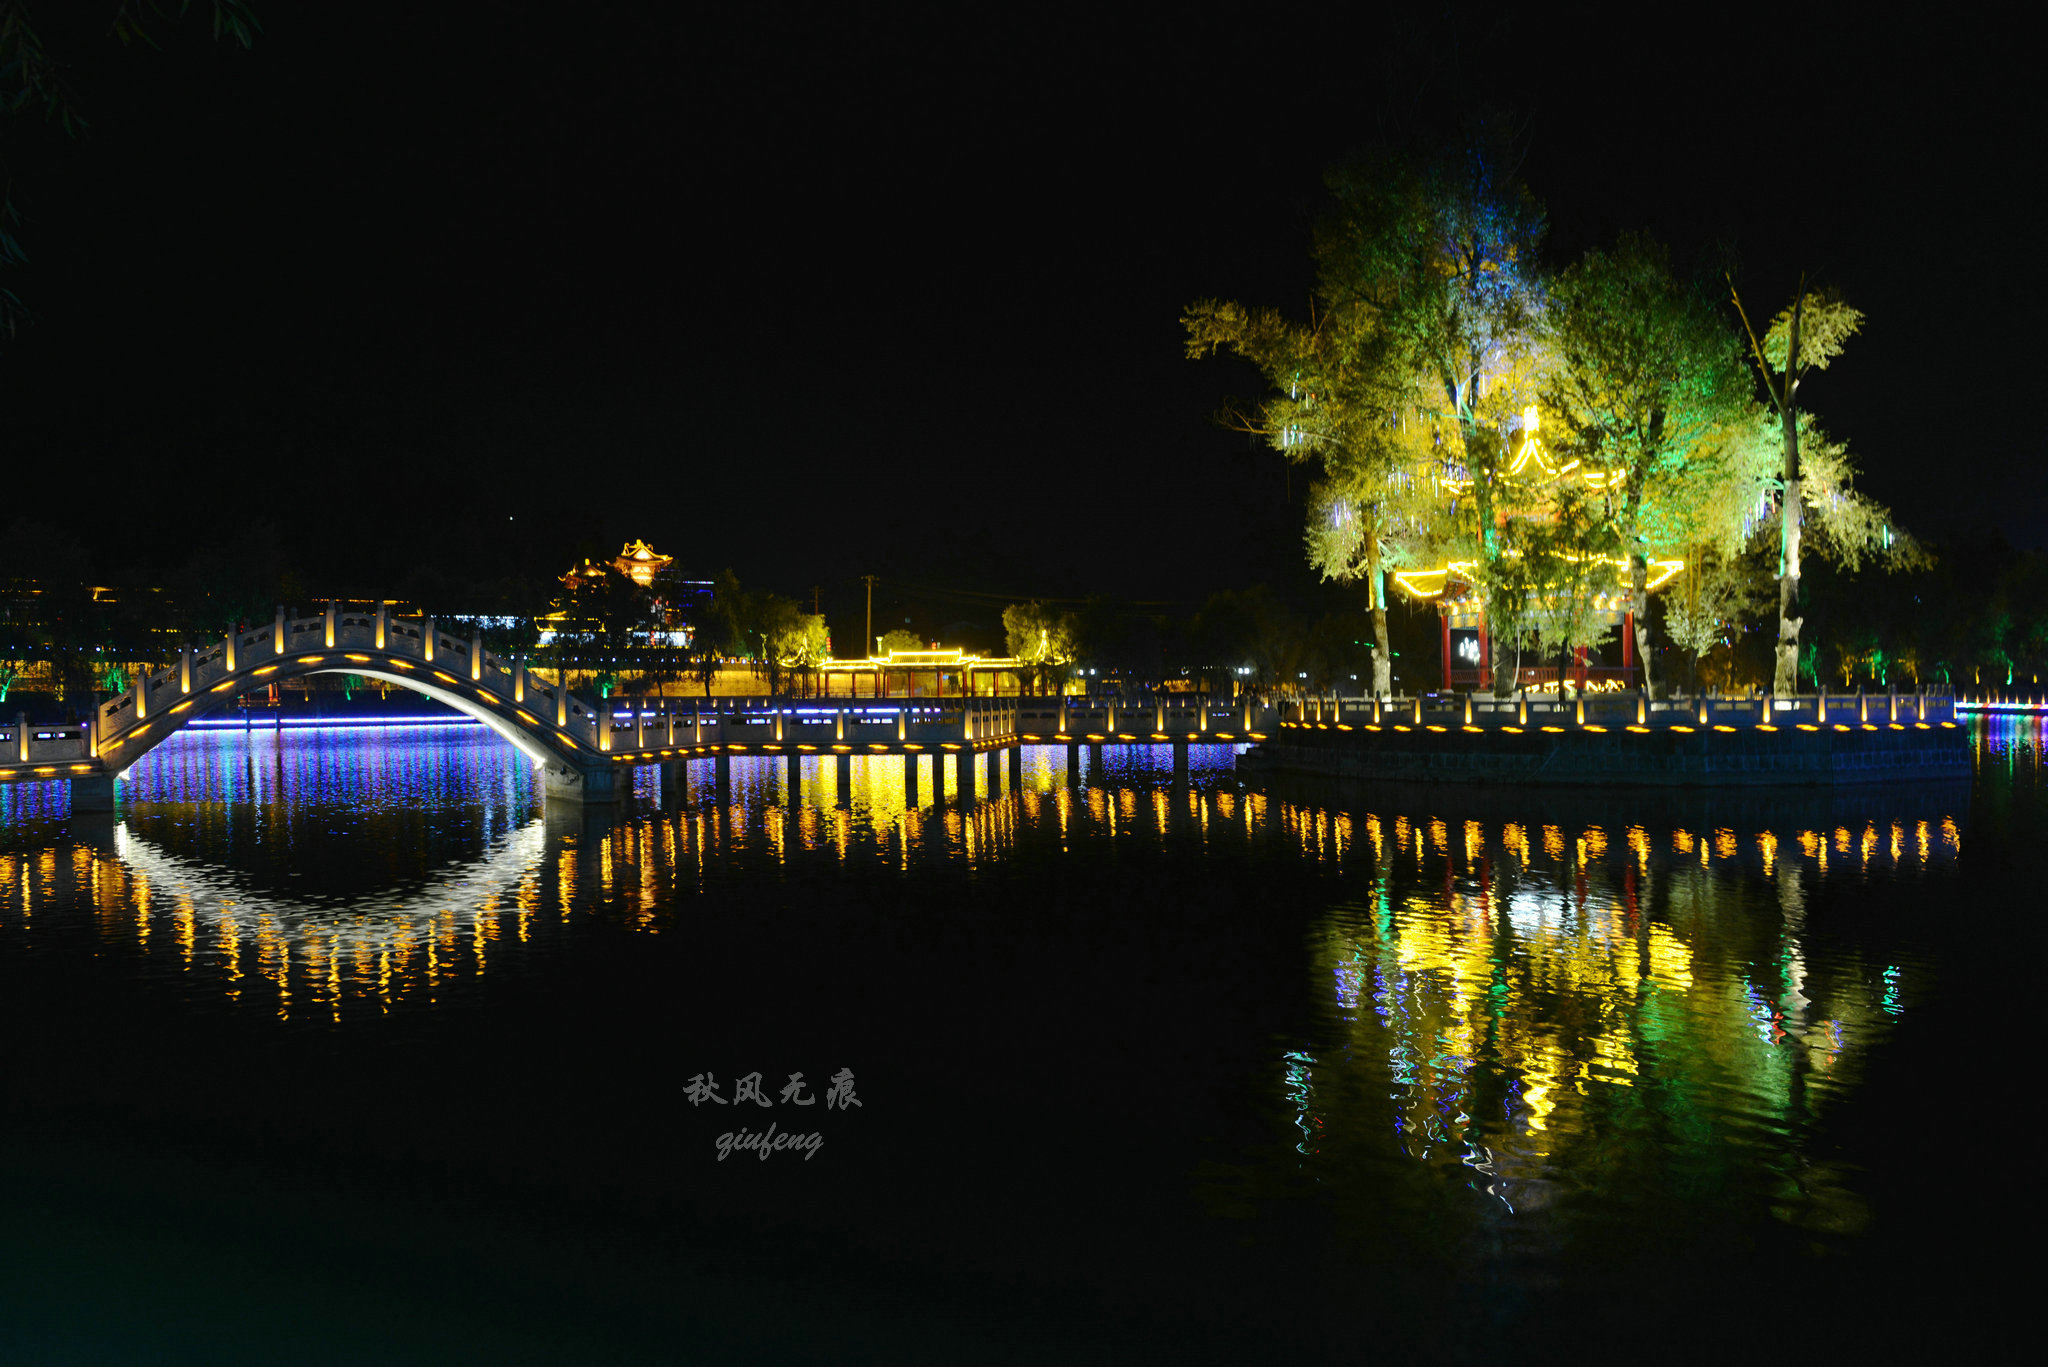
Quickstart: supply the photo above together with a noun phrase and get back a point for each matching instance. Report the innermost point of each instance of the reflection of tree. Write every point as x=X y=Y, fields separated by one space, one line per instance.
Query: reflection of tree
x=1546 y=1004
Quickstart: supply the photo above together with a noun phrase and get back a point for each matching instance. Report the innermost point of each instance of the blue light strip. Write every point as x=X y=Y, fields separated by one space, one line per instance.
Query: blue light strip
x=323 y=723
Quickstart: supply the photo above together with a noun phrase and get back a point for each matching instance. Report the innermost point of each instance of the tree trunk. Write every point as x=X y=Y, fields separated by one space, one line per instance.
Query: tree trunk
x=1376 y=592
x=1788 y=570
x=1504 y=670
x=1789 y=518
x=1639 y=579
x=1489 y=535
x=1639 y=594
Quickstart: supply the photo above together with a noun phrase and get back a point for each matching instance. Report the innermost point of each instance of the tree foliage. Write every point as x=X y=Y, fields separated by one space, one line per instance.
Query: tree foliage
x=1415 y=368
x=1042 y=640
x=1468 y=409
x=900 y=639
x=1646 y=387
x=33 y=81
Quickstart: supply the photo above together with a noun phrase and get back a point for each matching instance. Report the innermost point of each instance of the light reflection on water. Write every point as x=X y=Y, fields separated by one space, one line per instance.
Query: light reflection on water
x=1516 y=995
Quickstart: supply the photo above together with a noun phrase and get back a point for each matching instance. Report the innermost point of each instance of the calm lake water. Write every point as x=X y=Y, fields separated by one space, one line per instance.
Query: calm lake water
x=334 y=1047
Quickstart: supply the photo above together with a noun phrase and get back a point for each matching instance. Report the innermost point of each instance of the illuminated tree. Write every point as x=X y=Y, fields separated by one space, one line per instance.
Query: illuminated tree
x=899 y=639
x=1415 y=366
x=1331 y=401
x=798 y=641
x=1545 y=585
x=1645 y=387
x=1720 y=593
x=1441 y=255
x=771 y=621
x=1805 y=337
x=1041 y=639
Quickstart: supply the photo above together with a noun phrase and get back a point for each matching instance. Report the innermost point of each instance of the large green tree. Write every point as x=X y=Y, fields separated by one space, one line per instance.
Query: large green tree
x=799 y=641
x=1042 y=640
x=1334 y=400
x=1645 y=384
x=1414 y=371
x=1815 y=476
x=1442 y=252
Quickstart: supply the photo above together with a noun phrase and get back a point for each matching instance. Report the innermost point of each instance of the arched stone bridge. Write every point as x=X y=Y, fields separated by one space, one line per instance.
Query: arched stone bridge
x=580 y=746
x=561 y=733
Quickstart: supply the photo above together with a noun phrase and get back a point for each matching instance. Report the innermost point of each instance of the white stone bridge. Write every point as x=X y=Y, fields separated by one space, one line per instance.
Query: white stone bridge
x=581 y=746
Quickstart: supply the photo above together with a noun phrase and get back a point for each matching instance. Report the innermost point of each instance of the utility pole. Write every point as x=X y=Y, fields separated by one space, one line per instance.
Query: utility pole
x=869 y=580
x=815 y=609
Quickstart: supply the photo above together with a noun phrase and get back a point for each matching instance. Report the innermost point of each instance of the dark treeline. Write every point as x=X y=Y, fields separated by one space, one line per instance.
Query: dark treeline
x=1975 y=619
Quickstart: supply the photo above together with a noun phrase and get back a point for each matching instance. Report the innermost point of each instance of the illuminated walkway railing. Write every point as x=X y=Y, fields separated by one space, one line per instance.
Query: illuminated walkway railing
x=580 y=745
x=1733 y=742
x=1631 y=711
x=2003 y=702
x=558 y=731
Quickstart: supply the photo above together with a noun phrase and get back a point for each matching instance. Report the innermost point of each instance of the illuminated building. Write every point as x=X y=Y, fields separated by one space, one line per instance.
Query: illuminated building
x=1468 y=647
x=927 y=673
x=1460 y=598
x=678 y=603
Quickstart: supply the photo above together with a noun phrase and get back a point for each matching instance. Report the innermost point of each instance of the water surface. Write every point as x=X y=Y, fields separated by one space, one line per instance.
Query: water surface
x=331 y=1046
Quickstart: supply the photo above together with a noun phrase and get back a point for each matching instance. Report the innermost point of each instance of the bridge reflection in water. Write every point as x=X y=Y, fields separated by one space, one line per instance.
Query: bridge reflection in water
x=1590 y=1013
x=1498 y=966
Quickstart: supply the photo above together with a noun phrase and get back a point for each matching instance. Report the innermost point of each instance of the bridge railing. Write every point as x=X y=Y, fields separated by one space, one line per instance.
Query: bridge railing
x=1625 y=709
x=635 y=725
x=59 y=743
x=414 y=648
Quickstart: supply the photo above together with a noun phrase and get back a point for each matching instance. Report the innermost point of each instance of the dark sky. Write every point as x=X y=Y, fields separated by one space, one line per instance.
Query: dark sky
x=818 y=293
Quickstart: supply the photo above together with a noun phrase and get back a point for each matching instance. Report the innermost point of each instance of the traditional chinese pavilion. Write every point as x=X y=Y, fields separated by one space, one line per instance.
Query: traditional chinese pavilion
x=1468 y=646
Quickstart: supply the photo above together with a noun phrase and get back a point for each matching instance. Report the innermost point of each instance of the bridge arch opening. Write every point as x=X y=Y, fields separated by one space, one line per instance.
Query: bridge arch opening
x=534 y=744
x=504 y=726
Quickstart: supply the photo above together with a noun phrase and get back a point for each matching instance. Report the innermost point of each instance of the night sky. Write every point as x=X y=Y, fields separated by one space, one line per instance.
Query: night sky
x=814 y=294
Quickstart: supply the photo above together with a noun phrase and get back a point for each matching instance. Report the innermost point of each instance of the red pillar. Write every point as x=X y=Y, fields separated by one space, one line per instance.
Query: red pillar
x=1628 y=644
x=1447 y=650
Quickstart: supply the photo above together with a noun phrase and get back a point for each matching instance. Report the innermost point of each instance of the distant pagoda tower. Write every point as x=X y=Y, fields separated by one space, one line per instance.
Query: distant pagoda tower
x=641 y=563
